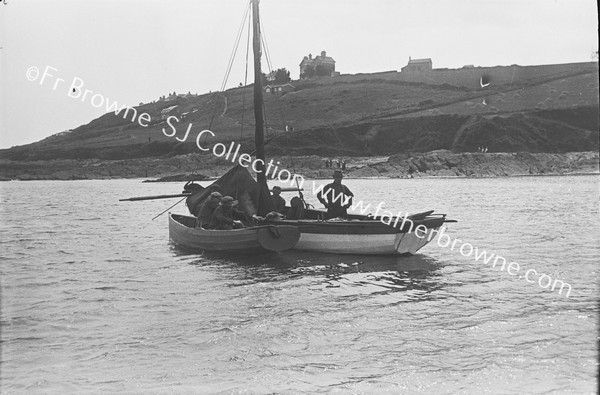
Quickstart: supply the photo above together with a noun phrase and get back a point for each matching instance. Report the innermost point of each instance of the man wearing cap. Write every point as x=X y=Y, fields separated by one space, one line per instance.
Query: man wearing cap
x=222 y=218
x=337 y=198
x=278 y=201
x=207 y=210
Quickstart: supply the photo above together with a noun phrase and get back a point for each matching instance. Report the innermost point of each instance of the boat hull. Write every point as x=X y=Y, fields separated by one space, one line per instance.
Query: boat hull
x=361 y=237
x=253 y=239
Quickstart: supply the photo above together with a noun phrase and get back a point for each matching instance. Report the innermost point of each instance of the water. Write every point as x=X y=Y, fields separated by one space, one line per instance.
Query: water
x=95 y=299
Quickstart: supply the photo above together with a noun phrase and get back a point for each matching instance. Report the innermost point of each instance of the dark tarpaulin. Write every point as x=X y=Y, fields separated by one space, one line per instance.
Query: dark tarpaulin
x=239 y=184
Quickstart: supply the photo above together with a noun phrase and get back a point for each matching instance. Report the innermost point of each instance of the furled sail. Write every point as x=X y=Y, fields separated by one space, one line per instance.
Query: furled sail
x=239 y=184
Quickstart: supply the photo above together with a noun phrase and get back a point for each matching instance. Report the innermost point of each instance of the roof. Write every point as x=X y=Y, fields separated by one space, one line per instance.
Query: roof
x=324 y=58
x=426 y=60
x=317 y=59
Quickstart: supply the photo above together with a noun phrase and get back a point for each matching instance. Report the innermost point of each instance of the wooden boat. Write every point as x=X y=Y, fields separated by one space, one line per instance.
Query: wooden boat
x=252 y=239
x=364 y=235
x=254 y=196
x=357 y=234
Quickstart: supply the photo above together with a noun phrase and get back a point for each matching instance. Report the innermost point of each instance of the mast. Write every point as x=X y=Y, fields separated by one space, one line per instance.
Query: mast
x=265 y=204
x=259 y=138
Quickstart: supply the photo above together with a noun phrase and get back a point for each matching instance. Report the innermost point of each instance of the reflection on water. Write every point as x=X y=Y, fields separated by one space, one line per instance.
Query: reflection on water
x=365 y=274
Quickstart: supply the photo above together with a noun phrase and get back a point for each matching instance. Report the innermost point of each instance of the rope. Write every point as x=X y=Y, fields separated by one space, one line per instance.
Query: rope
x=263 y=39
x=235 y=48
x=245 y=82
x=269 y=65
x=169 y=208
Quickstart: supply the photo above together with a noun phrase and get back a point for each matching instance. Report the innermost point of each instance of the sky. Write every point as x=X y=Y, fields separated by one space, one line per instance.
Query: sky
x=133 y=51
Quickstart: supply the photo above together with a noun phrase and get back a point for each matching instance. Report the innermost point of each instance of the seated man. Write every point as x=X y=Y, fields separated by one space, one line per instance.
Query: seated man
x=339 y=197
x=296 y=211
x=207 y=210
x=222 y=218
x=278 y=201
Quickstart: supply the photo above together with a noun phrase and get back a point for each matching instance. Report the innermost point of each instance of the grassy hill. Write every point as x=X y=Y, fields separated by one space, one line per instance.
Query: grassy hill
x=549 y=108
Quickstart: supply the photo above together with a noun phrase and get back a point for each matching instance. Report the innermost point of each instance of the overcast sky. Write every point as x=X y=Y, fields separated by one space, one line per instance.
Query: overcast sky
x=134 y=51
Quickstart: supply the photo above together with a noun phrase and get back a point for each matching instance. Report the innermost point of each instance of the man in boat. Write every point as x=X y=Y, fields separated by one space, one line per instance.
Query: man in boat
x=296 y=210
x=208 y=209
x=336 y=197
x=222 y=218
x=278 y=201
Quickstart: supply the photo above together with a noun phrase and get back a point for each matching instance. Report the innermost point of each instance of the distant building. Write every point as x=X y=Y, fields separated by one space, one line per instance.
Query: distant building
x=280 y=88
x=322 y=65
x=174 y=96
x=168 y=111
x=271 y=76
x=418 y=65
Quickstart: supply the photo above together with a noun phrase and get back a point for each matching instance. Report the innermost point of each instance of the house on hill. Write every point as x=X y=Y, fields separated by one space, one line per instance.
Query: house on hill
x=418 y=65
x=321 y=65
x=284 y=88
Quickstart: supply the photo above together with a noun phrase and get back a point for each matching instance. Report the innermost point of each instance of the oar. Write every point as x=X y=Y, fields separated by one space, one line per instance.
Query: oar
x=290 y=189
x=134 y=199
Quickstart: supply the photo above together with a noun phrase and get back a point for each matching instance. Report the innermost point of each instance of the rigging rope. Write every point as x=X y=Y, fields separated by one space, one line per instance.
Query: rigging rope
x=224 y=84
x=263 y=39
x=268 y=58
x=245 y=82
x=235 y=48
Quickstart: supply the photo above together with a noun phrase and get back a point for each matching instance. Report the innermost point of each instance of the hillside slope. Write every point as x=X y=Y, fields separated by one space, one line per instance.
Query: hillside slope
x=550 y=108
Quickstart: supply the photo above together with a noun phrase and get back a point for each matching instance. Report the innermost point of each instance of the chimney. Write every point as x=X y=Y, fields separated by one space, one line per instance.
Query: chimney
x=310 y=56
x=323 y=53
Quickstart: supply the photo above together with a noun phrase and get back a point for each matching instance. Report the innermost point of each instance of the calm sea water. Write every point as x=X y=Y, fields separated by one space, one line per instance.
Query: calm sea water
x=96 y=299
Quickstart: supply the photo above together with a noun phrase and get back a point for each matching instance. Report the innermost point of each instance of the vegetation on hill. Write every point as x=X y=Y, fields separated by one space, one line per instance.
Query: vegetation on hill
x=552 y=108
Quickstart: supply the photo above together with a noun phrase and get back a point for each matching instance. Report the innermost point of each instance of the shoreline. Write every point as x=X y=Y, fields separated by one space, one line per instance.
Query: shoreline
x=157 y=181
x=440 y=164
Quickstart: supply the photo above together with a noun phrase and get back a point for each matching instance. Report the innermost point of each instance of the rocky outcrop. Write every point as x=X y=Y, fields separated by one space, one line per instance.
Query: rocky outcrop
x=440 y=163
x=445 y=163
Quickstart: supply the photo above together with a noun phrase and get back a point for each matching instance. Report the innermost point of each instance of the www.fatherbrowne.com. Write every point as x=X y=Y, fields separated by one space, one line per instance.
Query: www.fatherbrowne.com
x=97 y=100
x=445 y=241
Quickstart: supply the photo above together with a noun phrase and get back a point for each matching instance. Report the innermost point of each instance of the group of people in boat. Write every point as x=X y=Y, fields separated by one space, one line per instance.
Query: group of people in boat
x=221 y=213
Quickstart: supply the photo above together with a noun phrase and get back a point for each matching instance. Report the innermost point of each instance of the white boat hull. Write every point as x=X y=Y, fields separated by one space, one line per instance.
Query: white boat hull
x=367 y=237
x=373 y=244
